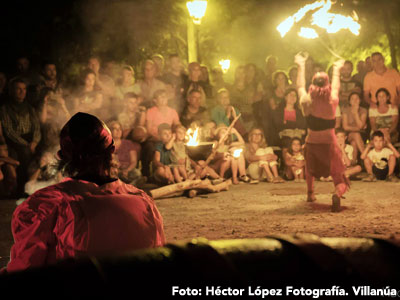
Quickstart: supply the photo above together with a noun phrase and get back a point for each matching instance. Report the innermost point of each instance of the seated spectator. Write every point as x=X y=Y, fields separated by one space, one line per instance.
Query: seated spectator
x=8 y=173
x=89 y=97
x=380 y=159
x=348 y=154
x=385 y=116
x=49 y=78
x=162 y=156
x=160 y=113
x=3 y=88
x=87 y=214
x=381 y=77
x=224 y=112
x=150 y=84
x=21 y=129
x=132 y=114
x=193 y=111
x=347 y=84
x=230 y=155
x=126 y=84
x=42 y=173
x=25 y=72
x=294 y=161
x=262 y=160
x=53 y=114
x=354 y=119
x=127 y=154
x=289 y=120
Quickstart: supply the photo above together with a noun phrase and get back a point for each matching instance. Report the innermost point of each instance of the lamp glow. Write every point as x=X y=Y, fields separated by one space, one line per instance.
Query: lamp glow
x=197 y=10
x=225 y=64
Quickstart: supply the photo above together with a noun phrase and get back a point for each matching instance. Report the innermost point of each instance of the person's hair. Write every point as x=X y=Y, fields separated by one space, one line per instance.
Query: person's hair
x=86 y=147
x=128 y=68
x=130 y=95
x=288 y=91
x=354 y=93
x=13 y=82
x=147 y=61
x=275 y=77
x=157 y=56
x=47 y=63
x=222 y=90
x=193 y=91
x=290 y=149
x=111 y=123
x=340 y=130
x=192 y=65
x=387 y=94
x=377 y=133
x=162 y=127
x=178 y=126
x=158 y=93
x=173 y=55
x=349 y=63
x=376 y=53
x=94 y=57
x=263 y=142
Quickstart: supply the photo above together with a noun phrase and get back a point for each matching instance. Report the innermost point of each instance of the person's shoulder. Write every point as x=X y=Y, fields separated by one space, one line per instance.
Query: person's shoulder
x=387 y=151
x=393 y=109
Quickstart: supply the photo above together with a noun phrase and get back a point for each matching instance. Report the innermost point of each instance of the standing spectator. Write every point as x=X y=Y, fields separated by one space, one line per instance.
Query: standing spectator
x=89 y=97
x=126 y=83
x=150 y=84
x=385 y=116
x=280 y=83
x=175 y=77
x=355 y=123
x=3 y=88
x=21 y=129
x=25 y=72
x=159 y=64
x=194 y=82
x=271 y=67
x=361 y=72
x=105 y=82
x=347 y=84
x=293 y=77
x=193 y=111
x=132 y=114
x=217 y=81
x=381 y=77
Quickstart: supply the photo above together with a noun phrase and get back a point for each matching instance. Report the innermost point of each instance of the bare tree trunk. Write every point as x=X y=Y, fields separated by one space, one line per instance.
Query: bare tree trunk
x=389 y=34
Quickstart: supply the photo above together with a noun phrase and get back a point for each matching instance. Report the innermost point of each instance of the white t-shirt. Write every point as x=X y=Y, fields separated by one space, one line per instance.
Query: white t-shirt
x=376 y=157
x=348 y=149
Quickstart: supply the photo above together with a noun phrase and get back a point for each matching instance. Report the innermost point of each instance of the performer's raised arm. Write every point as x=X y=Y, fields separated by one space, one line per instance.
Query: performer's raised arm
x=336 y=79
x=300 y=60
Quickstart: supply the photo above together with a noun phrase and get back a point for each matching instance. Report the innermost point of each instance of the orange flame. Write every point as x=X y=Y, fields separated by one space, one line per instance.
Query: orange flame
x=193 y=137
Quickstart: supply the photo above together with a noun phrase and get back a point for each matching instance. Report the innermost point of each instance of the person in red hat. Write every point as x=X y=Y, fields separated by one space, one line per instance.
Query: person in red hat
x=89 y=212
x=322 y=154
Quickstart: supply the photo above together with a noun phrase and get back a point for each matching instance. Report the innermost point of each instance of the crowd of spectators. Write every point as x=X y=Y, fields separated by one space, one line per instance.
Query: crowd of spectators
x=149 y=110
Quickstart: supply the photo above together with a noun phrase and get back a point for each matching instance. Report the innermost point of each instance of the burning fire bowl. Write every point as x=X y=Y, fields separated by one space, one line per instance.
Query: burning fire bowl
x=200 y=152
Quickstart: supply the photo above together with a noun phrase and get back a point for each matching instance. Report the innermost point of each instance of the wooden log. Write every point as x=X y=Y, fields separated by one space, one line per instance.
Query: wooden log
x=173 y=188
x=208 y=186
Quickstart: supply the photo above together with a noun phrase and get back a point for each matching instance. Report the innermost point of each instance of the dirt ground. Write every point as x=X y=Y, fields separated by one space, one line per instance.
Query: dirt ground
x=256 y=211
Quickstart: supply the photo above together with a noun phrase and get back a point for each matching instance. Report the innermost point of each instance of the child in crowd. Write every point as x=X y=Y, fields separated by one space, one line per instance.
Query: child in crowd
x=294 y=161
x=261 y=158
x=162 y=156
x=230 y=155
x=380 y=160
x=8 y=174
x=349 y=159
x=179 y=158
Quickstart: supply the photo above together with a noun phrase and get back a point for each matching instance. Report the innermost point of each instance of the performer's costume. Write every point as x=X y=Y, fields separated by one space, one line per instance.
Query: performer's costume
x=322 y=154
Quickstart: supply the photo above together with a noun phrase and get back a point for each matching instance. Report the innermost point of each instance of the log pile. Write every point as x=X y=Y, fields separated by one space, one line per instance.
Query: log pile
x=193 y=187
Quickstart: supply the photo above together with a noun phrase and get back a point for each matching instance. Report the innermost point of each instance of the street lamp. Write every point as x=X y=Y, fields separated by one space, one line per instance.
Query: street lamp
x=197 y=10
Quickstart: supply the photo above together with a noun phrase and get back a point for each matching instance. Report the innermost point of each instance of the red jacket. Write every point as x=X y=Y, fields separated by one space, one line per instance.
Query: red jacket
x=78 y=218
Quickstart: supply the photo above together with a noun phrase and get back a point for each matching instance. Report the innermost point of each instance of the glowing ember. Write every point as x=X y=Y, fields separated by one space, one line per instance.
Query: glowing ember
x=332 y=23
x=193 y=137
x=237 y=152
x=308 y=33
x=225 y=64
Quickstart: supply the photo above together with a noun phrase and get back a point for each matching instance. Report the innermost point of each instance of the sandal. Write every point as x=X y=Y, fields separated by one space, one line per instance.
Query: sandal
x=269 y=179
x=278 y=179
x=244 y=178
x=370 y=178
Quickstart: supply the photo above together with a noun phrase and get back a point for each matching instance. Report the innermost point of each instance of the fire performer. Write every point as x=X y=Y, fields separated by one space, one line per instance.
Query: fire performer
x=88 y=213
x=322 y=154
